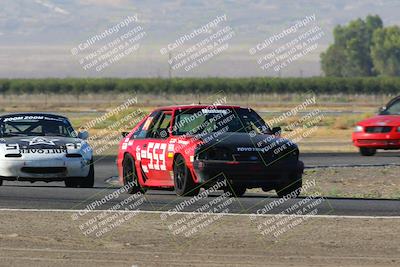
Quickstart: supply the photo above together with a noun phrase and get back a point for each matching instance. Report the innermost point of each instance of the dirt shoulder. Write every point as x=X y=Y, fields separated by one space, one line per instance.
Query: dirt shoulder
x=53 y=238
x=352 y=182
x=365 y=182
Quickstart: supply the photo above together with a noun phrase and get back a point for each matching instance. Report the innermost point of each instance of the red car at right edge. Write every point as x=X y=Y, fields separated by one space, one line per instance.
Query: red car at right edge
x=379 y=132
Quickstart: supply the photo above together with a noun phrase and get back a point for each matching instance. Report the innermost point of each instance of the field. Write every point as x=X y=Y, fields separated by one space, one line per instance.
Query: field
x=331 y=133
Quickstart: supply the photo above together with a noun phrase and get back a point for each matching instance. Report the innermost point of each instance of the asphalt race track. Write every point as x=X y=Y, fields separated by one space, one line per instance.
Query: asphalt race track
x=23 y=195
x=349 y=159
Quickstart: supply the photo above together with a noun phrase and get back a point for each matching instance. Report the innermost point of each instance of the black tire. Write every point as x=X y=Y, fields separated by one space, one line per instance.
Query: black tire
x=82 y=182
x=292 y=190
x=72 y=183
x=267 y=189
x=130 y=175
x=366 y=151
x=88 y=181
x=183 y=180
x=235 y=190
x=1 y=182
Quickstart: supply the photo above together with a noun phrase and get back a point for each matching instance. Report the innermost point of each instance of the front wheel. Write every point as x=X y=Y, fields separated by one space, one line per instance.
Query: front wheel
x=366 y=151
x=183 y=180
x=130 y=176
x=82 y=182
x=88 y=181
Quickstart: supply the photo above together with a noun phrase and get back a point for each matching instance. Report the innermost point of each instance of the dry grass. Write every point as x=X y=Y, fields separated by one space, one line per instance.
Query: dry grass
x=367 y=182
x=332 y=129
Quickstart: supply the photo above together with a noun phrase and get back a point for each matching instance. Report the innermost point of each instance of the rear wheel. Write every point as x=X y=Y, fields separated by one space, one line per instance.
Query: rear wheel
x=183 y=180
x=365 y=151
x=130 y=175
x=291 y=191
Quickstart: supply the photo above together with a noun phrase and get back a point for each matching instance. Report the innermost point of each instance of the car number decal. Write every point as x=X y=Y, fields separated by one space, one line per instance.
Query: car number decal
x=155 y=153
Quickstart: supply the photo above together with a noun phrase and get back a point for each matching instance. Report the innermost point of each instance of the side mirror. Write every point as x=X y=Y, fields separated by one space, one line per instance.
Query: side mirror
x=381 y=110
x=83 y=135
x=124 y=134
x=276 y=130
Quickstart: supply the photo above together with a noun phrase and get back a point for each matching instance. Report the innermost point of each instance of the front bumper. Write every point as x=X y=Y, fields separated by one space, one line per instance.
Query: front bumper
x=249 y=173
x=43 y=170
x=377 y=140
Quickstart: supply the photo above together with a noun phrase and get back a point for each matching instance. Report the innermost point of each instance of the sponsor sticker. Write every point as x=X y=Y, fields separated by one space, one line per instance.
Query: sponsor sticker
x=43 y=151
x=214 y=111
x=171 y=147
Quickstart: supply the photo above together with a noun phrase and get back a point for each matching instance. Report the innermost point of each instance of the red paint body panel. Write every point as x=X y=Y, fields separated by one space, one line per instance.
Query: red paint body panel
x=158 y=147
x=381 y=132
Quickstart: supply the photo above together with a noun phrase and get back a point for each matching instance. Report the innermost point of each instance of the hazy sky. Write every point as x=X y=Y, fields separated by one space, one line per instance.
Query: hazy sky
x=123 y=38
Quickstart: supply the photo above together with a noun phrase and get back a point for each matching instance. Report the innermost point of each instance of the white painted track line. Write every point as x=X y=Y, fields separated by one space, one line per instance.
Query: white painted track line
x=216 y=214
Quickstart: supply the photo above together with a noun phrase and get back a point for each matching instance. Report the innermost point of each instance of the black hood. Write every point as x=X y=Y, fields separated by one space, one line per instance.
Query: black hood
x=259 y=141
x=268 y=146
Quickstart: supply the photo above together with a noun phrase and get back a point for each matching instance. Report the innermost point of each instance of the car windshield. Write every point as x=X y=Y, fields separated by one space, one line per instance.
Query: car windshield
x=35 y=125
x=393 y=109
x=205 y=120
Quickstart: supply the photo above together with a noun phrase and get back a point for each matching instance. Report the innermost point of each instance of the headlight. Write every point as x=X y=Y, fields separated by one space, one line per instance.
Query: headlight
x=358 y=129
x=215 y=153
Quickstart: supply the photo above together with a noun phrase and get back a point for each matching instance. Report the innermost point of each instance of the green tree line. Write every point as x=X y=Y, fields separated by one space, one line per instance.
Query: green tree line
x=363 y=48
x=319 y=85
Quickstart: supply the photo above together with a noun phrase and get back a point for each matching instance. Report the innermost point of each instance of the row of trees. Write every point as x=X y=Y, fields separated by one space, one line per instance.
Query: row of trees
x=321 y=85
x=363 y=48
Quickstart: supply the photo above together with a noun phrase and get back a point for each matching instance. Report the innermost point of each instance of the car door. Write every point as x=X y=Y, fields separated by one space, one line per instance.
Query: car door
x=154 y=150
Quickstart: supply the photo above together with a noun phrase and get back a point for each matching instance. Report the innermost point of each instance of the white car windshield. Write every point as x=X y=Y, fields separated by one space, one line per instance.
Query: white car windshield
x=35 y=125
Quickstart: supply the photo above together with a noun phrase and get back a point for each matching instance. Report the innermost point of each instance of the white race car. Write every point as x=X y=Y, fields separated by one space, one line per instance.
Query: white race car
x=44 y=147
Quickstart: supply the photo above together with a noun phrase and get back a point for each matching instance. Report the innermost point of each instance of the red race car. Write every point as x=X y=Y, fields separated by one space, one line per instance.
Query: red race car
x=379 y=132
x=189 y=147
